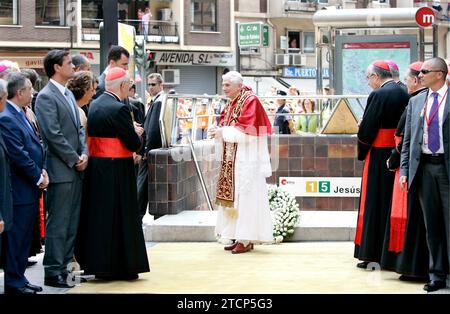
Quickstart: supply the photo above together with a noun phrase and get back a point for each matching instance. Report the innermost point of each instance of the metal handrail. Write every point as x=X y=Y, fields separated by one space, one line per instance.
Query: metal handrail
x=195 y=102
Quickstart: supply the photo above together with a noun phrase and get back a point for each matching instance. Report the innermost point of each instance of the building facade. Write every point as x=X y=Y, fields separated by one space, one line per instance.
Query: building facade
x=194 y=41
x=191 y=39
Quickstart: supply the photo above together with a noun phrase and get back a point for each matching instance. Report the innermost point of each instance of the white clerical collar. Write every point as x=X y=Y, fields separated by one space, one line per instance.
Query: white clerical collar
x=390 y=80
x=113 y=94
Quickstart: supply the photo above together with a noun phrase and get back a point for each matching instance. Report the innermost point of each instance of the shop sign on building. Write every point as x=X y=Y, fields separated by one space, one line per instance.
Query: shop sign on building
x=218 y=59
x=304 y=72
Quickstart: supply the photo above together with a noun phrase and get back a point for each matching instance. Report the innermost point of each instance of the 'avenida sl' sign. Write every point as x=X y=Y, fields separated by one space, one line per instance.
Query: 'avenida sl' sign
x=321 y=187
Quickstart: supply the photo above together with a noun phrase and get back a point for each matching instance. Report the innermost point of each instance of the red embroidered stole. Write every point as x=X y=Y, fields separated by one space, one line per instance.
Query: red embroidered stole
x=225 y=186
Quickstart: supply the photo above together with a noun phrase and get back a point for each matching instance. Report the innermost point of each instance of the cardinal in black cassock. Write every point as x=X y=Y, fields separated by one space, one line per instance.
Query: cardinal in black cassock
x=384 y=107
x=405 y=239
x=112 y=243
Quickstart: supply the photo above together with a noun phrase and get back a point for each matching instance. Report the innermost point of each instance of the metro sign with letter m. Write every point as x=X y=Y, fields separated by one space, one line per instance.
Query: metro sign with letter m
x=425 y=17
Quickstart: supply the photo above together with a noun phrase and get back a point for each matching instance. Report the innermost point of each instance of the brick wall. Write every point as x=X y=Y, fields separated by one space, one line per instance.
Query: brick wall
x=173 y=183
x=318 y=156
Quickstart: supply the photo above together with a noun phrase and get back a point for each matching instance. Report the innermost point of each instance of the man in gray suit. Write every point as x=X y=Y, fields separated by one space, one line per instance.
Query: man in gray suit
x=425 y=161
x=64 y=139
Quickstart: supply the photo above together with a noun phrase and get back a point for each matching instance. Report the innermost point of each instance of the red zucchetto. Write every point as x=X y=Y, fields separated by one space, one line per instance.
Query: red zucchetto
x=416 y=66
x=382 y=65
x=115 y=73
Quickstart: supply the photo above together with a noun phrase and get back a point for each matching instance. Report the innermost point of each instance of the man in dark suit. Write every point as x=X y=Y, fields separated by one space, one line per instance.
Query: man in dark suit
x=6 y=205
x=67 y=158
x=28 y=176
x=117 y=57
x=425 y=159
x=152 y=137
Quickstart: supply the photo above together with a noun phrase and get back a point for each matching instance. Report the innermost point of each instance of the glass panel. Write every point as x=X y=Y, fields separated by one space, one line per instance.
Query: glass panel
x=203 y=14
x=91 y=13
x=51 y=12
x=9 y=12
x=308 y=42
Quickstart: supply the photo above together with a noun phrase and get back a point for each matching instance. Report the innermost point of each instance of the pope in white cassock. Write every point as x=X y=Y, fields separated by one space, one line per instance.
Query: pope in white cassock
x=242 y=198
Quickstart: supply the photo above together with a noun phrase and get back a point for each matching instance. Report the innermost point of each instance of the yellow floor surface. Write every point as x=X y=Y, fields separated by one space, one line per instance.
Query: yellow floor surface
x=310 y=267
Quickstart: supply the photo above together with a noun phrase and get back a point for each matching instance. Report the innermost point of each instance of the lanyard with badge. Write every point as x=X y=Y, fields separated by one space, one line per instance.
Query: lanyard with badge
x=429 y=118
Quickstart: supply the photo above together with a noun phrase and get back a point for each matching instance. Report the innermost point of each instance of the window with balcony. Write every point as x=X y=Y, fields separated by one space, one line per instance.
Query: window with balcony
x=9 y=12
x=51 y=12
x=204 y=15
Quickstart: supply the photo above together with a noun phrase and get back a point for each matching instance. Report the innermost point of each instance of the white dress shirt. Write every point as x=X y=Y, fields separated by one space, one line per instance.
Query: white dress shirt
x=442 y=92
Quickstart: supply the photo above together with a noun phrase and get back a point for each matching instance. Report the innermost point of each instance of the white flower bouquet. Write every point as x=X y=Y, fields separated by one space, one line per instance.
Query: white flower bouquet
x=286 y=213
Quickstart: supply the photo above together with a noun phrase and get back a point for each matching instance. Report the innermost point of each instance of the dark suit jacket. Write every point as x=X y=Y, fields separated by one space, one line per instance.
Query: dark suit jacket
x=108 y=117
x=152 y=134
x=138 y=110
x=100 y=87
x=134 y=106
x=412 y=140
x=25 y=153
x=6 y=210
x=62 y=133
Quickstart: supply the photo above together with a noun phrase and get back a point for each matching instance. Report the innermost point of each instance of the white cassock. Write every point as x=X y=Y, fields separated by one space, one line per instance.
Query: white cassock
x=251 y=219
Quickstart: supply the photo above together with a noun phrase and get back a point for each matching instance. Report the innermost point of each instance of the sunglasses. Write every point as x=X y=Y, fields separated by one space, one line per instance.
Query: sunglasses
x=425 y=71
x=152 y=84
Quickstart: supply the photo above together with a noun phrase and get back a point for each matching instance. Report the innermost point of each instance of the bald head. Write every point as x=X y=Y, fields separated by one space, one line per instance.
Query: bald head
x=433 y=73
x=438 y=64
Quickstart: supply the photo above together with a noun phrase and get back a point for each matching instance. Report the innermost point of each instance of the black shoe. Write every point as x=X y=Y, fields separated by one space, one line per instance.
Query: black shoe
x=18 y=291
x=362 y=265
x=31 y=263
x=33 y=287
x=57 y=281
x=435 y=285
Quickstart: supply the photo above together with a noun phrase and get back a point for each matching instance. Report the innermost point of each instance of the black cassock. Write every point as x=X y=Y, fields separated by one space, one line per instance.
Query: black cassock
x=413 y=260
x=375 y=142
x=111 y=238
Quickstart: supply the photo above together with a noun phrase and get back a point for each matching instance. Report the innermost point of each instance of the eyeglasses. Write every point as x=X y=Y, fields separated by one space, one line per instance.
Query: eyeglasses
x=369 y=76
x=425 y=71
x=152 y=84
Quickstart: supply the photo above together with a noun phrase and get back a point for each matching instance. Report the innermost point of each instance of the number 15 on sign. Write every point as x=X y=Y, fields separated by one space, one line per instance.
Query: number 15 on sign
x=317 y=186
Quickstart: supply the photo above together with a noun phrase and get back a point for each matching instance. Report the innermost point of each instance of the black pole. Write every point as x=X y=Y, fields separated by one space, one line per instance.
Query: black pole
x=109 y=34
